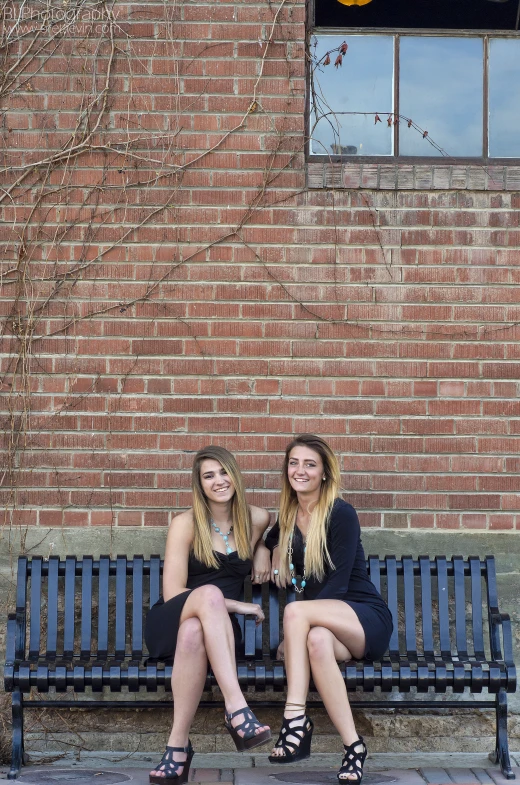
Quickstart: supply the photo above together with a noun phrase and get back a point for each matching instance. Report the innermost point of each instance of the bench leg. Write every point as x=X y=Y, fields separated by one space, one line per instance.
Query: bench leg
x=501 y=753
x=19 y=757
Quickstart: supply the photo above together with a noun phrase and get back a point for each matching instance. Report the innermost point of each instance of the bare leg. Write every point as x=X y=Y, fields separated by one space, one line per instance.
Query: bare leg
x=324 y=651
x=339 y=619
x=207 y=604
x=188 y=677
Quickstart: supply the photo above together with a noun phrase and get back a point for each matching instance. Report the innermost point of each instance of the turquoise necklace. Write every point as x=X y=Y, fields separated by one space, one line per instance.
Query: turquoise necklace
x=294 y=580
x=224 y=536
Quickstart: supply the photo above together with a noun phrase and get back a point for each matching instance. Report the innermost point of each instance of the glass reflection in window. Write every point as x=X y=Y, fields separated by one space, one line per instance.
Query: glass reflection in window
x=504 y=98
x=440 y=89
x=363 y=84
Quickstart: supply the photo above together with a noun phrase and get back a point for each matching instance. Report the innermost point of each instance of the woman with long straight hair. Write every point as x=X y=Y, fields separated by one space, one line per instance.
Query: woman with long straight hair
x=210 y=550
x=317 y=549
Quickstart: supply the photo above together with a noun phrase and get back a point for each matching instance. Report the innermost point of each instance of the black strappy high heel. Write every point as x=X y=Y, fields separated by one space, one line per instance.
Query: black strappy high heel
x=171 y=767
x=249 y=725
x=353 y=761
x=302 y=731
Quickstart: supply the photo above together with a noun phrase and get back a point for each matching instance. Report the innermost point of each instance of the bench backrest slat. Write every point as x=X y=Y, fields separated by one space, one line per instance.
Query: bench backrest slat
x=391 y=582
x=137 y=607
x=257 y=598
x=476 y=606
x=52 y=607
x=35 y=607
x=155 y=579
x=70 y=594
x=374 y=571
x=460 y=605
x=103 y=597
x=425 y=568
x=120 y=606
x=87 y=587
x=20 y=642
x=442 y=595
x=492 y=601
x=274 y=620
x=409 y=607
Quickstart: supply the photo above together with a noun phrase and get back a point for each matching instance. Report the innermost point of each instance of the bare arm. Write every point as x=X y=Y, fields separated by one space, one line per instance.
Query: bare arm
x=243 y=608
x=261 y=556
x=178 y=544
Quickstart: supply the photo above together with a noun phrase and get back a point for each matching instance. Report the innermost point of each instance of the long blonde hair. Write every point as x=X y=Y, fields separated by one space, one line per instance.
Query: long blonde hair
x=316 y=552
x=240 y=513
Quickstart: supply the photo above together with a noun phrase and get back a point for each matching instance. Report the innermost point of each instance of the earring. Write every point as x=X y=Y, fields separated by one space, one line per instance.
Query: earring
x=323 y=478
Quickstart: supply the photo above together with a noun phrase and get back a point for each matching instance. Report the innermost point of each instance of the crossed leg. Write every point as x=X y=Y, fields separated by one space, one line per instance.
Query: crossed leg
x=318 y=634
x=205 y=633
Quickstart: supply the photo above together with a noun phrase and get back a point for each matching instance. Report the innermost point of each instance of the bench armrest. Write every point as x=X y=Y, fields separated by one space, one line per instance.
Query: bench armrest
x=10 y=653
x=501 y=639
x=15 y=640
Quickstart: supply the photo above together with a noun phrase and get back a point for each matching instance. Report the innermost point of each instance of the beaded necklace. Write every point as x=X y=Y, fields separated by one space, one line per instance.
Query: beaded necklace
x=294 y=580
x=224 y=536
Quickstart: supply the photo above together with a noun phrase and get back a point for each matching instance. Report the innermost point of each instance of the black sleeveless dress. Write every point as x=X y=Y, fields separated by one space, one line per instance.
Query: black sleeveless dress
x=163 y=619
x=348 y=581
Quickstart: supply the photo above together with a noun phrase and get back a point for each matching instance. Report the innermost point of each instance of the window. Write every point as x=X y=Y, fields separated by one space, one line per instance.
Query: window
x=439 y=86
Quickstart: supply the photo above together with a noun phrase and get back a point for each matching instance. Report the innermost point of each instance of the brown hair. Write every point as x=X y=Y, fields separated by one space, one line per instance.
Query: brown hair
x=316 y=552
x=240 y=513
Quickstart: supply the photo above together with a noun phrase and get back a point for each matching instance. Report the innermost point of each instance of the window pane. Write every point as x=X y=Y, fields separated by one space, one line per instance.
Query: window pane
x=364 y=83
x=504 y=98
x=440 y=89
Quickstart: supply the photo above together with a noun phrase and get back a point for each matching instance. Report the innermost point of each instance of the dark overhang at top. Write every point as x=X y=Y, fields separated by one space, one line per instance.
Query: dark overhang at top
x=419 y=14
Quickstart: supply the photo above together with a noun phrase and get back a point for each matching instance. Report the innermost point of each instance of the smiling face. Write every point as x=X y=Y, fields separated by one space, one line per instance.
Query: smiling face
x=305 y=471
x=217 y=485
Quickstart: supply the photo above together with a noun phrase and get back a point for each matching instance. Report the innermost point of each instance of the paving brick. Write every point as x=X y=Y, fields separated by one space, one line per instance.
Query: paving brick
x=435 y=776
x=463 y=776
x=482 y=776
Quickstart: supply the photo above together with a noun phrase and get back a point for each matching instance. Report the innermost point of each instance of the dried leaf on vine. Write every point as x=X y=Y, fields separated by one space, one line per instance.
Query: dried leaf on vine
x=327 y=60
x=339 y=61
x=343 y=48
x=409 y=123
x=377 y=119
x=425 y=134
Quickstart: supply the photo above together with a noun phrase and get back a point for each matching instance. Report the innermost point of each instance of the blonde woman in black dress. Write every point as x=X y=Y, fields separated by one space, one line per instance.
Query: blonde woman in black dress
x=210 y=550
x=317 y=549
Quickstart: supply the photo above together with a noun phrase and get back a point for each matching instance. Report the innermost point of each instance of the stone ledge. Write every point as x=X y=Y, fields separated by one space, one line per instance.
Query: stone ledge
x=417 y=177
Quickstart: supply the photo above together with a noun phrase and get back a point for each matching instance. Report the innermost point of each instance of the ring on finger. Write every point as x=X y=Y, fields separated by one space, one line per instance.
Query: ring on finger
x=276 y=572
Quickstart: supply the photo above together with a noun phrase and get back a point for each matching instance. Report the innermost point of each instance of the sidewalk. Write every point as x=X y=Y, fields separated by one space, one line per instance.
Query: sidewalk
x=234 y=769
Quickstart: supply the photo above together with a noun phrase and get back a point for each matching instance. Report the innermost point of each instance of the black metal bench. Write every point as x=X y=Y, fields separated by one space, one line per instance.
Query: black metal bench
x=78 y=627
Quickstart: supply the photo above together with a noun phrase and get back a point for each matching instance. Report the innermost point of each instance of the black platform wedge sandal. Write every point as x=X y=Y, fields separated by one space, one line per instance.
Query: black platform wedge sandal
x=300 y=728
x=174 y=772
x=249 y=726
x=353 y=761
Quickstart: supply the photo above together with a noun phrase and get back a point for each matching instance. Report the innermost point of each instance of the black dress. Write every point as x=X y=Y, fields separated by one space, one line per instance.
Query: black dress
x=349 y=580
x=163 y=619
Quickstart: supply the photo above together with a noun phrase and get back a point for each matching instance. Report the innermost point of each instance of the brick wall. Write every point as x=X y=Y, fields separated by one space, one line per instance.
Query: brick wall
x=186 y=278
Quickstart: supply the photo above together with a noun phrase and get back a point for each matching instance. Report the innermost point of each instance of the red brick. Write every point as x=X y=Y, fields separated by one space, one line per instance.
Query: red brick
x=447 y=521
x=129 y=518
x=474 y=521
x=102 y=517
x=501 y=522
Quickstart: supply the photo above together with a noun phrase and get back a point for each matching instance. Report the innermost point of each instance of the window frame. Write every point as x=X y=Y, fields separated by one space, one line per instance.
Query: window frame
x=398 y=33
